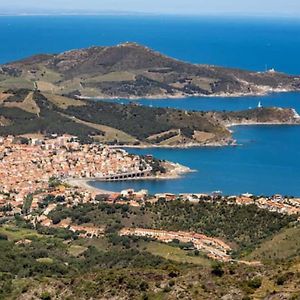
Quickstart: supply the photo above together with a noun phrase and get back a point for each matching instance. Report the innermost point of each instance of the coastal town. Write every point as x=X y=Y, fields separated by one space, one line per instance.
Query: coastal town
x=27 y=166
x=149 y=150
x=38 y=175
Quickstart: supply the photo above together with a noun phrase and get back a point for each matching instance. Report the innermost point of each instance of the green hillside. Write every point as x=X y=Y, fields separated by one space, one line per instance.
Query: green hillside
x=133 y=71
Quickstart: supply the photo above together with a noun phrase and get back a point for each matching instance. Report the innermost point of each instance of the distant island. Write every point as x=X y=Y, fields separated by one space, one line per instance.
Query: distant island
x=133 y=71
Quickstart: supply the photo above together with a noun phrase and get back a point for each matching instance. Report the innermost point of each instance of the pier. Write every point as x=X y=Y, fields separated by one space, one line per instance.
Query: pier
x=127 y=175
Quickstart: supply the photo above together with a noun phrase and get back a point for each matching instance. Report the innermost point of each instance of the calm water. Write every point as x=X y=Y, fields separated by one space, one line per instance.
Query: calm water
x=288 y=100
x=266 y=162
x=250 y=43
x=268 y=159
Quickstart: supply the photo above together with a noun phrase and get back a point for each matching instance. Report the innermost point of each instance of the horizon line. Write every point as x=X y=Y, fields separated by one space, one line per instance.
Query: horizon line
x=157 y=14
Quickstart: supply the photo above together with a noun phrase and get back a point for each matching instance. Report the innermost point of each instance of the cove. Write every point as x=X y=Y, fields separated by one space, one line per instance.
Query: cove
x=262 y=163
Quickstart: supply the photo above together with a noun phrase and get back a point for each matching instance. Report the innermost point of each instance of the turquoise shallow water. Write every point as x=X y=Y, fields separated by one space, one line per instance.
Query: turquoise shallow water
x=268 y=159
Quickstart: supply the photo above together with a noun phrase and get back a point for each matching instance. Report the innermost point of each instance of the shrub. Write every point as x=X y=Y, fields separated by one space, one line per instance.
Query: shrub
x=281 y=279
x=45 y=296
x=144 y=286
x=3 y=236
x=255 y=283
x=217 y=269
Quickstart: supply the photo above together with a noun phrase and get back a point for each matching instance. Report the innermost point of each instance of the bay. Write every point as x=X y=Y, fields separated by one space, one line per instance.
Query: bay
x=267 y=160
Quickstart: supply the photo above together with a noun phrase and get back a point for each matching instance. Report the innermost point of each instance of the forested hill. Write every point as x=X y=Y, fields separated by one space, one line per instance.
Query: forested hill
x=25 y=112
x=130 y=71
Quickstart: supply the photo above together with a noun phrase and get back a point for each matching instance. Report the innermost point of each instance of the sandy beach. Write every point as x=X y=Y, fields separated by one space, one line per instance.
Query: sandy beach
x=84 y=183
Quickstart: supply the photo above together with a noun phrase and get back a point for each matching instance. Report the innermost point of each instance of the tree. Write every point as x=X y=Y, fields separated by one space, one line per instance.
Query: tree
x=45 y=296
x=56 y=220
x=27 y=204
x=255 y=283
x=217 y=269
x=54 y=182
x=144 y=286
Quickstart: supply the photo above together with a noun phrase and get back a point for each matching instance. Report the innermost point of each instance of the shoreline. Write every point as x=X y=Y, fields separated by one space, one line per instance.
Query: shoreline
x=174 y=171
x=226 y=143
x=84 y=184
x=262 y=124
x=187 y=96
x=183 y=146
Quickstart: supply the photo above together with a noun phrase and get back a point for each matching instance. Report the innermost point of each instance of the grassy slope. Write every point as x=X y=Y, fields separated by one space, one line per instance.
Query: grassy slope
x=16 y=82
x=284 y=245
x=175 y=254
x=63 y=102
x=14 y=233
x=28 y=105
x=111 y=134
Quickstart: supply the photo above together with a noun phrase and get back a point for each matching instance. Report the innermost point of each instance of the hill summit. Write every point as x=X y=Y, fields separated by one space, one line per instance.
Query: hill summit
x=130 y=70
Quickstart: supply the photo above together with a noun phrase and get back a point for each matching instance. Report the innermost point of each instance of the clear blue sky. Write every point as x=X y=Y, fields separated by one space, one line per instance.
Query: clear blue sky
x=207 y=7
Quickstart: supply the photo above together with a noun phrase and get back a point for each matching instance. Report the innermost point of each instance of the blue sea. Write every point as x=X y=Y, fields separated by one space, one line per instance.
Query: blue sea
x=267 y=160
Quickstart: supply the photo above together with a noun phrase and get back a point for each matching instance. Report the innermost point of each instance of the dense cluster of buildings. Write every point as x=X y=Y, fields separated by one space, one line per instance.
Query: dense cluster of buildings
x=63 y=194
x=26 y=168
x=276 y=203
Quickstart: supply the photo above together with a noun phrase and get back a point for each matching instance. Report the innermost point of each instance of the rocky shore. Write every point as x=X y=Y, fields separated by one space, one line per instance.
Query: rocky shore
x=261 y=91
x=223 y=143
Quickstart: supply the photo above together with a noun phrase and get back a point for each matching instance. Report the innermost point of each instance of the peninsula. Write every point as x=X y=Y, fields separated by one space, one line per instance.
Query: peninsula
x=25 y=111
x=133 y=71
